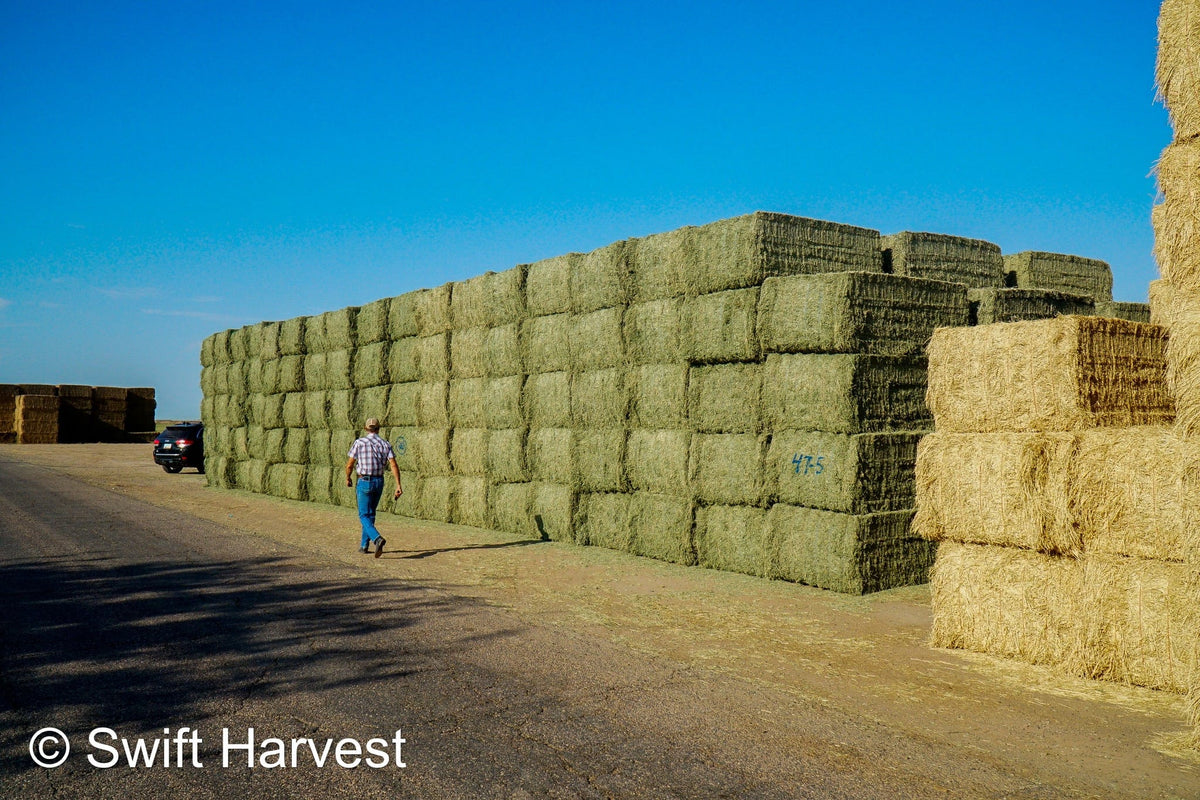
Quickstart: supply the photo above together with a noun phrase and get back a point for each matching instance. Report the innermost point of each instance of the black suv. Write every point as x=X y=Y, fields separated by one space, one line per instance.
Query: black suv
x=180 y=446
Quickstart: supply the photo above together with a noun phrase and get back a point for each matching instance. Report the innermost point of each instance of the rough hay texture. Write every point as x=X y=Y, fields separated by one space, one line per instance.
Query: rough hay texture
x=605 y=520
x=292 y=337
x=471 y=502
x=548 y=285
x=254 y=373
x=433 y=357
x=269 y=341
x=856 y=312
x=720 y=327
x=725 y=398
x=433 y=405
x=237 y=344
x=506 y=455
x=599 y=399
x=432 y=307
x=551 y=455
x=659 y=396
x=251 y=475
x=1058 y=272
x=1183 y=361
x=1178 y=70
x=468 y=451
x=290 y=377
x=844 y=393
x=269 y=411
x=600 y=459
x=341 y=410
x=437 y=498
x=733 y=538
x=371 y=402
x=727 y=468
x=468 y=353
x=75 y=423
x=1134 y=312
x=206 y=351
x=37 y=419
x=467 y=403
x=548 y=399
x=509 y=507
x=1162 y=296
x=654 y=332
x=939 y=257
x=402 y=317
x=997 y=488
x=371 y=365
x=989 y=306
x=274 y=441
x=502 y=351
x=288 y=480
x=371 y=322
x=853 y=554
x=320 y=481
x=432 y=450
x=503 y=402
x=662 y=527
x=1177 y=219
x=295 y=446
x=506 y=297
x=660 y=265
x=220 y=348
x=553 y=509
x=402 y=405
x=546 y=343
x=404 y=445
x=318 y=448
x=469 y=303
x=407 y=504
x=404 y=363
x=657 y=461
x=597 y=339
x=294 y=411
x=863 y=473
x=1061 y=374
x=603 y=278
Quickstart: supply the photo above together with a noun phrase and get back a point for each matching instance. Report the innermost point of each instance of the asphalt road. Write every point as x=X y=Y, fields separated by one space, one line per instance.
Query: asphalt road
x=143 y=620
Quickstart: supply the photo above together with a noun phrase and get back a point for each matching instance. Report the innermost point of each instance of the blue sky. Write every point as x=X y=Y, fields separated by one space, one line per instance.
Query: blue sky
x=171 y=169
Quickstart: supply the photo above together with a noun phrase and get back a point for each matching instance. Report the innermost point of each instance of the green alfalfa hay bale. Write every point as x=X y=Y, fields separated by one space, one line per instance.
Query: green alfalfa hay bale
x=220 y=379
x=316 y=410
x=315 y=338
x=208 y=379
x=548 y=285
x=341 y=410
x=433 y=450
x=404 y=364
x=255 y=441
x=657 y=461
x=404 y=446
x=862 y=473
x=268 y=378
x=218 y=440
x=269 y=341
x=856 y=312
x=471 y=502
x=254 y=373
x=370 y=365
x=468 y=353
x=402 y=404
x=1057 y=374
x=371 y=324
x=510 y=509
x=727 y=468
x=433 y=405
x=849 y=553
x=469 y=303
x=602 y=278
x=1177 y=72
x=989 y=306
x=605 y=520
x=319 y=451
x=220 y=471
x=844 y=393
x=290 y=377
x=271 y=415
x=436 y=502
x=997 y=489
x=432 y=308
x=340 y=442
x=408 y=503
x=600 y=459
x=597 y=339
x=1177 y=219
x=433 y=357
x=237 y=344
x=220 y=348
x=402 y=317
x=1134 y=312
x=466 y=403
x=599 y=399
x=502 y=351
x=468 y=451
x=227 y=411
x=720 y=327
x=292 y=337
x=239 y=446
x=1059 y=272
x=546 y=343
x=940 y=257
x=503 y=402
x=273 y=445
x=208 y=414
x=548 y=399
x=289 y=481
x=251 y=475
x=725 y=398
x=553 y=508
x=341 y=328
x=206 y=351
x=320 y=482
x=550 y=453
x=506 y=296
x=339 y=369
x=654 y=332
x=506 y=455
x=659 y=396
x=661 y=262
x=295 y=446
x=370 y=403
x=663 y=527
x=733 y=538
x=294 y=412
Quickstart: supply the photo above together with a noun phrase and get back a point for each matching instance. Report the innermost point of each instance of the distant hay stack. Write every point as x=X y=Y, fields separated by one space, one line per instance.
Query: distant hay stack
x=1088 y=277
x=989 y=306
x=940 y=257
x=36 y=419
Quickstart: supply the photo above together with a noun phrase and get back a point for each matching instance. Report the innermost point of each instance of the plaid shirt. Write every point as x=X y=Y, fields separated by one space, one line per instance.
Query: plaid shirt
x=371 y=455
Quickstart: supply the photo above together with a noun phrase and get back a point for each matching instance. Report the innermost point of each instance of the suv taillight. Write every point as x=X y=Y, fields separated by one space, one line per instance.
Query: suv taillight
x=184 y=442
x=157 y=442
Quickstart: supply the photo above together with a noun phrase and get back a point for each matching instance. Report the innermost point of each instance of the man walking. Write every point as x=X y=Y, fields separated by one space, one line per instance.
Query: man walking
x=370 y=454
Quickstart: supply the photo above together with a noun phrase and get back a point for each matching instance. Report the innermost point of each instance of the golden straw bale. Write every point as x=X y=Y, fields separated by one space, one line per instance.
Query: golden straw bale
x=1178 y=69
x=1162 y=296
x=1177 y=219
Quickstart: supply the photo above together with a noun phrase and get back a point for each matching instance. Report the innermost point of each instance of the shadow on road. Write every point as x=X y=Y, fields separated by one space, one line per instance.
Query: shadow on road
x=434 y=552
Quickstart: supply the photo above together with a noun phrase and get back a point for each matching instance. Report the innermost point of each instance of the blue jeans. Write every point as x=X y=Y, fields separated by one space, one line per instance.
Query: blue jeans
x=369 y=491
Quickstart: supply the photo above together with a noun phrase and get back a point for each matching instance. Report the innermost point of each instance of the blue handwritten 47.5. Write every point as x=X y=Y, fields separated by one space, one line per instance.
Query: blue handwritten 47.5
x=808 y=465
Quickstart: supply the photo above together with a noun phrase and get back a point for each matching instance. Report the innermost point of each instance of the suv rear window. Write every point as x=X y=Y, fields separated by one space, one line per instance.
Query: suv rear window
x=181 y=430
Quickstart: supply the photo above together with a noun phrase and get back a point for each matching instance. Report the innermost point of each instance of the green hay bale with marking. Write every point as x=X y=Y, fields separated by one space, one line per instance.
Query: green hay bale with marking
x=733 y=538
x=1058 y=374
x=1088 y=277
x=862 y=473
x=989 y=306
x=725 y=398
x=856 y=312
x=433 y=451
x=597 y=339
x=269 y=346
x=657 y=461
x=510 y=509
x=654 y=332
x=600 y=459
x=237 y=344
x=546 y=343
x=605 y=520
x=292 y=337
x=433 y=405
x=506 y=296
x=662 y=527
x=853 y=554
x=502 y=351
x=290 y=377
x=939 y=257
x=316 y=410
x=1134 y=312
x=845 y=393
x=548 y=399
x=341 y=410
x=272 y=411
x=433 y=357
x=602 y=278
x=553 y=508
x=466 y=403
x=318 y=448
x=468 y=451
x=503 y=402
x=506 y=455
x=727 y=468
x=468 y=353
x=720 y=327
x=548 y=285
x=273 y=445
x=402 y=317
x=295 y=446
x=402 y=404
x=405 y=446
x=599 y=399
x=403 y=364
x=469 y=302
x=372 y=402
x=320 y=483
x=471 y=502
x=293 y=412
x=437 y=498
x=551 y=455
x=371 y=324
x=432 y=307
x=659 y=396
x=371 y=365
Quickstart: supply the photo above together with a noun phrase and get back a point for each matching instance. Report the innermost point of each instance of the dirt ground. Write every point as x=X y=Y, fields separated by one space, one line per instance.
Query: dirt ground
x=863 y=657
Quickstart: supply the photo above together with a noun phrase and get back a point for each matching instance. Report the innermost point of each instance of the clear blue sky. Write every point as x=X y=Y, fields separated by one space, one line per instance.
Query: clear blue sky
x=171 y=169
